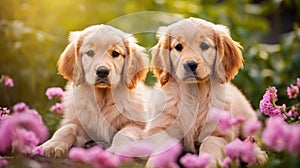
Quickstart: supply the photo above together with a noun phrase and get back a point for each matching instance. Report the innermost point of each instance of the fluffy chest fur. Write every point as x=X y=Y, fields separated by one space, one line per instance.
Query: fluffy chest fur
x=102 y=112
x=186 y=111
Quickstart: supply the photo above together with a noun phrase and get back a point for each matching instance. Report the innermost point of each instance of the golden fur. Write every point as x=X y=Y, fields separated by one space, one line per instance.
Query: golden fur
x=190 y=100
x=96 y=109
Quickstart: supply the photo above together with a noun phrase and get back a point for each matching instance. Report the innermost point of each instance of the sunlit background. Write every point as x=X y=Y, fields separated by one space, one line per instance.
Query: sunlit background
x=33 y=33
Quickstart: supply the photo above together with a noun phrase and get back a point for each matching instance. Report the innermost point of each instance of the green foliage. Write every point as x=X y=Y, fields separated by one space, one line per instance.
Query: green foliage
x=34 y=33
x=270 y=65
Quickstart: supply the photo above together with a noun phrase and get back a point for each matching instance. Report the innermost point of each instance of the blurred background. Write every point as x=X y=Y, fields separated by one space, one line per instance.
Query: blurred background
x=33 y=34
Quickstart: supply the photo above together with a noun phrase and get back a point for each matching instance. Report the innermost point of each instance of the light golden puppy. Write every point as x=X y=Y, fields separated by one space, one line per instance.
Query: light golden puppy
x=103 y=66
x=194 y=61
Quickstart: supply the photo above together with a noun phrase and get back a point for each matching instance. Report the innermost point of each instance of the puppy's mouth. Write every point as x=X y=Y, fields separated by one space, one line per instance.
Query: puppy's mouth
x=194 y=78
x=102 y=83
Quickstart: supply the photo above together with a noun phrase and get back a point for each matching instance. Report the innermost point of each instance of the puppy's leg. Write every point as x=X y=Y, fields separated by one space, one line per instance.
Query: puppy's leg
x=214 y=146
x=125 y=136
x=61 y=141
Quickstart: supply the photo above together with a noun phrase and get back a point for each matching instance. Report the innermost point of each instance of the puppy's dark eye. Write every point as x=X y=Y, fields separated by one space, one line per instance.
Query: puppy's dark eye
x=115 y=53
x=204 y=46
x=90 y=53
x=178 y=47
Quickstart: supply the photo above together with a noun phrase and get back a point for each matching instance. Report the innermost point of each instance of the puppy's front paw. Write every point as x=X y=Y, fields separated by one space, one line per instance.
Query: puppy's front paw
x=261 y=157
x=54 y=149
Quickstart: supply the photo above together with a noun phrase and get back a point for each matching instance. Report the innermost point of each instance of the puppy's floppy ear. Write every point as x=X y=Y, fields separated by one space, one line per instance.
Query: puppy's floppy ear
x=229 y=55
x=69 y=63
x=160 y=56
x=135 y=63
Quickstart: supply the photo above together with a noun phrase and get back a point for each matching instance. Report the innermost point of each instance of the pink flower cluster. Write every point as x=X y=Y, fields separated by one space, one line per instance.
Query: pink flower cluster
x=57 y=108
x=23 y=130
x=268 y=104
x=7 y=81
x=251 y=126
x=280 y=136
x=195 y=161
x=167 y=158
x=55 y=92
x=240 y=150
x=226 y=121
x=59 y=93
x=95 y=156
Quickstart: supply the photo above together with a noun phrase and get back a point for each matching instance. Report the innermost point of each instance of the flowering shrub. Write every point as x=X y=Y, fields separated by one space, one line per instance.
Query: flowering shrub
x=23 y=130
x=282 y=132
x=238 y=150
x=286 y=137
x=56 y=92
x=269 y=107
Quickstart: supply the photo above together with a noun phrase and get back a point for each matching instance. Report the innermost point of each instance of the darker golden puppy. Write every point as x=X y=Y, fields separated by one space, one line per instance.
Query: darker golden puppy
x=194 y=61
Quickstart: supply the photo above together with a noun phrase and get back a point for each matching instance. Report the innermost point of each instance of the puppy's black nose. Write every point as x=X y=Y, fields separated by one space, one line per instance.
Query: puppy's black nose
x=190 y=66
x=102 y=72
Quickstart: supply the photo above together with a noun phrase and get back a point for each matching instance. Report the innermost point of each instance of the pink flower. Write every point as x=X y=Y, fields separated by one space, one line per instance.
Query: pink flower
x=194 y=161
x=292 y=91
x=95 y=156
x=168 y=157
x=276 y=134
x=247 y=152
x=251 y=126
x=24 y=141
x=232 y=149
x=79 y=154
x=7 y=81
x=226 y=122
x=21 y=128
x=293 y=112
x=226 y=162
x=285 y=137
x=20 y=107
x=23 y=108
x=57 y=108
x=3 y=162
x=267 y=104
x=137 y=149
x=298 y=82
x=106 y=159
x=55 y=92
x=293 y=145
x=4 y=117
x=243 y=150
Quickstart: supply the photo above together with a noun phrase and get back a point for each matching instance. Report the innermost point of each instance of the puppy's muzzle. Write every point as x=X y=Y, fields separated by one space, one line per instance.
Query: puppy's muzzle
x=190 y=66
x=102 y=72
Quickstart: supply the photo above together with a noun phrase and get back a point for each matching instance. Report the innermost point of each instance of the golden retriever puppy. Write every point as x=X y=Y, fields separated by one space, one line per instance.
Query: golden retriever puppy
x=194 y=61
x=103 y=66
